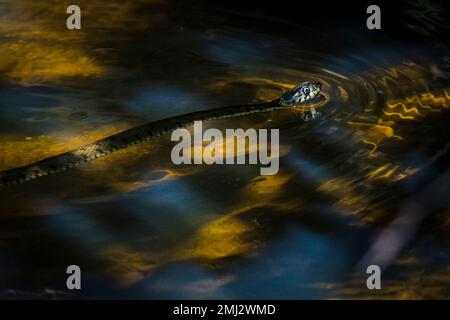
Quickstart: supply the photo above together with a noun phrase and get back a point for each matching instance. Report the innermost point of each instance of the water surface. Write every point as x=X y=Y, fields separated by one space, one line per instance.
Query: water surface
x=366 y=183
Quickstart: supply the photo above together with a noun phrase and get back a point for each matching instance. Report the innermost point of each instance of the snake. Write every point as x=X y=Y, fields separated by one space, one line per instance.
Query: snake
x=307 y=93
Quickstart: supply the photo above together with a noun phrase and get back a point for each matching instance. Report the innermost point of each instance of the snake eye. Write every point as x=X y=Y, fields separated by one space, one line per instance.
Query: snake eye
x=305 y=91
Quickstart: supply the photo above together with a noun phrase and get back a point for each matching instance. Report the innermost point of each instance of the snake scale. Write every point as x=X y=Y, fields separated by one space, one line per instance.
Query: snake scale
x=304 y=94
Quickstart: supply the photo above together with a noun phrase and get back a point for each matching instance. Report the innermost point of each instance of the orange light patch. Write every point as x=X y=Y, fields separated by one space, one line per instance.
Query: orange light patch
x=18 y=151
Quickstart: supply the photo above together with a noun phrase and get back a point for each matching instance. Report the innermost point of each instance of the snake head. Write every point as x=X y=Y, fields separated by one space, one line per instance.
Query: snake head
x=304 y=92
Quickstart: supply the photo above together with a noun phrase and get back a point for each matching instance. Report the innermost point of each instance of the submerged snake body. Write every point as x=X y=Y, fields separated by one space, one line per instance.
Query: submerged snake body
x=304 y=94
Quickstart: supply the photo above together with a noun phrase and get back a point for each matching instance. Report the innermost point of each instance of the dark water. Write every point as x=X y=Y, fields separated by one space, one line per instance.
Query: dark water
x=365 y=184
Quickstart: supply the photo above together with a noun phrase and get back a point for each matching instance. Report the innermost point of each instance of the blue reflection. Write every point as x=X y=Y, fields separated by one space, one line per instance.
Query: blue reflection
x=158 y=100
x=296 y=266
x=75 y=225
x=234 y=51
x=307 y=168
x=174 y=199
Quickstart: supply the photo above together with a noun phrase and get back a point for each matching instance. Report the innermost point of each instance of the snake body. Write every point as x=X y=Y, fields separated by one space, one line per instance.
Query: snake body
x=304 y=94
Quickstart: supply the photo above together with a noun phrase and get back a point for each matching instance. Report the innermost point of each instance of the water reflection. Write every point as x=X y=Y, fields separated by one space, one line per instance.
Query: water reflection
x=141 y=227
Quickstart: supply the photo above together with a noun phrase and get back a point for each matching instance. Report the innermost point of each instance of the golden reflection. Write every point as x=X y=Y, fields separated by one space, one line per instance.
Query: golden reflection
x=127 y=266
x=413 y=107
x=372 y=144
x=399 y=114
x=240 y=149
x=373 y=134
x=343 y=93
x=34 y=63
x=223 y=237
x=395 y=75
x=336 y=74
x=393 y=105
x=377 y=171
x=230 y=235
x=384 y=129
x=18 y=151
x=391 y=172
x=37 y=47
x=348 y=199
x=267 y=187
